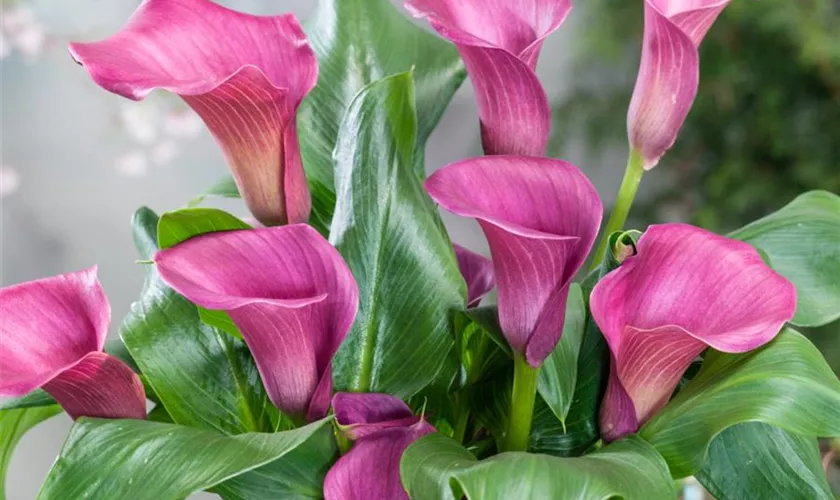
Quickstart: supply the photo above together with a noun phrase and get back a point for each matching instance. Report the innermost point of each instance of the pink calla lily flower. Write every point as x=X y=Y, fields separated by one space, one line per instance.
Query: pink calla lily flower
x=477 y=271
x=244 y=75
x=500 y=42
x=669 y=73
x=51 y=336
x=383 y=427
x=685 y=290
x=540 y=217
x=289 y=292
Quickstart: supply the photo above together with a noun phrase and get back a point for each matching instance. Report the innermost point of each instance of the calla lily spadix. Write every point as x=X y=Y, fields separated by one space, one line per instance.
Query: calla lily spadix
x=477 y=271
x=686 y=289
x=244 y=75
x=540 y=217
x=383 y=427
x=500 y=42
x=52 y=332
x=669 y=73
x=288 y=291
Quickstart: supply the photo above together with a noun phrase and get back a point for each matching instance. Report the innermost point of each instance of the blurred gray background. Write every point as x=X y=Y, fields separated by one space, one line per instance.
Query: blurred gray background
x=77 y=161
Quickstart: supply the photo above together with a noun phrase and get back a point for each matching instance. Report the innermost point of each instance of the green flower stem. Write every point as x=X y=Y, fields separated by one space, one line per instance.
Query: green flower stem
x=522 y=405
x=626 y=194
x=463 y=411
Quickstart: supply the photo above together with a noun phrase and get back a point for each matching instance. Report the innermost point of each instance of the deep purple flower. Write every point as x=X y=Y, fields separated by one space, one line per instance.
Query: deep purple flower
x=383 y=427
x=477 y=271
x=244 y=75
x=540 y=217
x=500 y=41
x=669 y=72
x=51 y=336
x=685 y=290
x=289 y=292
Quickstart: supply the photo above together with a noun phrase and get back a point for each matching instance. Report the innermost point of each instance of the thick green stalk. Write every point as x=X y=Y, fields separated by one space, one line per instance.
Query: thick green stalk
x=621 y=208
x=521 y=406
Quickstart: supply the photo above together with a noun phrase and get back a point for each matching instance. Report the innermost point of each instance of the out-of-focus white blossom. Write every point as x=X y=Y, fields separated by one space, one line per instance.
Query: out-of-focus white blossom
x=132 y=164
x=5 y=46
x=30 y=41
x=163 y=153
x=182 y=123
x=16 y=18
x=9 y=181
x=20 y=30
x=140 y=121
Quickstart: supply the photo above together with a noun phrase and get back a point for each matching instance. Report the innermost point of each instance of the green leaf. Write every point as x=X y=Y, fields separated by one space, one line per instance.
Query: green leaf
x=220 y=320
x=13 y=425
x=802 y=243
x=142 y=460
x=358 y=42
x=786 y=383
x=758 y=461
x=389 y=233
x=436 y=467
x=298 y=475
x=203 y=377
x=181 y=225
x=479 y=354
x=34 y=399
x=224 y=188
x=558 y=375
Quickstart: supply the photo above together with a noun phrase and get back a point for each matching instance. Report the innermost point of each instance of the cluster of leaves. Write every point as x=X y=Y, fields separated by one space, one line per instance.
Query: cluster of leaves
x=735 y=424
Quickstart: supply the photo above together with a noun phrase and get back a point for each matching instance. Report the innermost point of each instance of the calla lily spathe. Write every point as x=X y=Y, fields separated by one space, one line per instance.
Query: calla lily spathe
x=500 y=42
x=477 y=271
x=288 y=291
x=52 y=333
x=540 y=217
x=244 y=75
x=383 y=427
x=686 y=289
x=669 y=73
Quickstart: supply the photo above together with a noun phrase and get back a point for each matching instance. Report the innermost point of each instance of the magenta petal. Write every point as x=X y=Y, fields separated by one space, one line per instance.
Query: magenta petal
x=500 y=41
x=51 y=333
x=363 y=414
x=244 y=75
x=686 y=289
x=100 y=386
x=47 y=326
x=477 y=271
x=289 y=292
x=540 y=217
x=371 y=470
x=668 y=73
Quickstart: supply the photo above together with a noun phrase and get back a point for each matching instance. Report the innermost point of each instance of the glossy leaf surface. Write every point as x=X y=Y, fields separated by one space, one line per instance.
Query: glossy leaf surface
x=389 y=233
x=787 y=383
x=437 y=467
x=358 y=42
x=802 y=242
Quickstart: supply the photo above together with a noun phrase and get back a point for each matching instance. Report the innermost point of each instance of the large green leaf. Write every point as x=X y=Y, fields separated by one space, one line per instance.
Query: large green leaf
x=802 y=243
x=558 y=375
x=436 y=467
x=358 y=42
x=755 y=461
x=204 y=377
x=13 y=425
x=141 y=460
x=786 y=383
x=388 y=230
